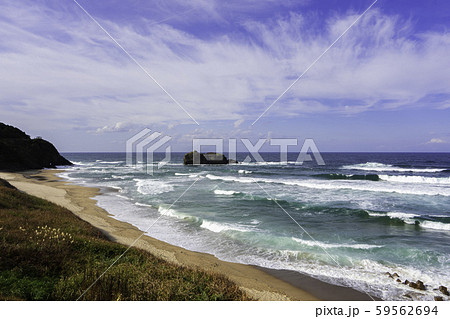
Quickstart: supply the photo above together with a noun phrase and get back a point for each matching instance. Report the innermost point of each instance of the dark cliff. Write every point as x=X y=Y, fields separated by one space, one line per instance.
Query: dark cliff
x=206 y=158
x=20 y=152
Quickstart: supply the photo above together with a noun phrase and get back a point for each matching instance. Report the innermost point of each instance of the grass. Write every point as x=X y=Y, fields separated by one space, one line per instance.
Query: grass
x=47 y=253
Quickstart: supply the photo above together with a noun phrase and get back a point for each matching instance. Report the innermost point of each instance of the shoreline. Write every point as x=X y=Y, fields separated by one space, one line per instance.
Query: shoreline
x=258 y=282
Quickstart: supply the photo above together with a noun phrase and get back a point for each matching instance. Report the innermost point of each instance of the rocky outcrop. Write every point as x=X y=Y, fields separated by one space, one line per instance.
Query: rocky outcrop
x=444 y=290
x=194 y=157
x=19 y=152
x=215 y=158
x=205 y=158
x=417 y=285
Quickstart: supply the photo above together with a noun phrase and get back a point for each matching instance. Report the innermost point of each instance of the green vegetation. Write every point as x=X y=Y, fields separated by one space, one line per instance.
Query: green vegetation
x=47 y=253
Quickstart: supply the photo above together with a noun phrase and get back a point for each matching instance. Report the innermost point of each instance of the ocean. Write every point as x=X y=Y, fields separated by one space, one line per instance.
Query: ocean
x=349 y=222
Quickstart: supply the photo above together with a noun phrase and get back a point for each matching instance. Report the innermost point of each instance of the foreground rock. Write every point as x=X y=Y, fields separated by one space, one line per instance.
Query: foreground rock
x=417 y=285
x=444 y=290
x=205 y=158
x=19 y=152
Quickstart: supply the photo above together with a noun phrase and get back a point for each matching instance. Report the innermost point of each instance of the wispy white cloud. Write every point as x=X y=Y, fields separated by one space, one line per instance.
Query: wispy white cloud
x=444 y=105
x=117 y=127
x=436 y=141
x=62 y=68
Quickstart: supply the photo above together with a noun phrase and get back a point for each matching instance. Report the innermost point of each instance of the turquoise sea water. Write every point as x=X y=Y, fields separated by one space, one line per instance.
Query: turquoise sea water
x=348 y=222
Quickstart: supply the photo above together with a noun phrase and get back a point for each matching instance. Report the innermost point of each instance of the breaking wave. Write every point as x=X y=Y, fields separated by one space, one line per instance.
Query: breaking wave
x=379 y=167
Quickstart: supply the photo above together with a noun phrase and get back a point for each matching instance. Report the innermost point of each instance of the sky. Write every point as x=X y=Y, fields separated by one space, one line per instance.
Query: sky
x=89 y=75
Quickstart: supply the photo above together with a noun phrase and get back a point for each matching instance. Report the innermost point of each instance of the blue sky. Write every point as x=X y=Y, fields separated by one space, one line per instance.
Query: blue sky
x=384 y=86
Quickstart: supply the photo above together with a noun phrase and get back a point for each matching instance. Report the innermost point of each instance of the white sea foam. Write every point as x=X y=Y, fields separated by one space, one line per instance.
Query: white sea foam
x=66 y=176
x=407 y=218
x=170 y=212
x=327 y=245
x=222 y=227
x=142 y=204
x=434 y=225
x=222 y=192
x=376 y=214
x=243 y=171
x=109 y=162
x=342 y=185
x=379 y=167
x=81 y=163
x=121 y=176
x=364 y=274
x=230 y=178
x=152 y=186
x=412 y=219
x=189 y=175
x=415 y=179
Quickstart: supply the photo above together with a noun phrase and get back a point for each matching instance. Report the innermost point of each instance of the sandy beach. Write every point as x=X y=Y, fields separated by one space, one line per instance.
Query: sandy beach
x=257 y=282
